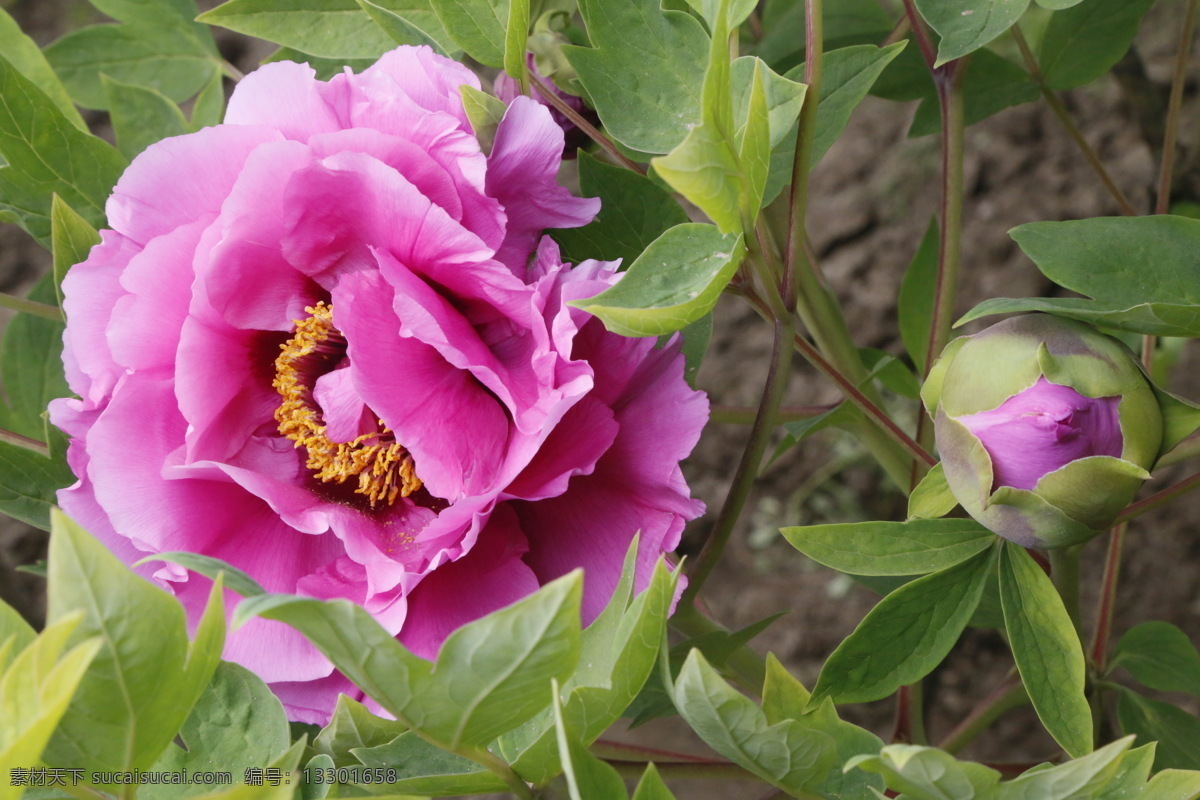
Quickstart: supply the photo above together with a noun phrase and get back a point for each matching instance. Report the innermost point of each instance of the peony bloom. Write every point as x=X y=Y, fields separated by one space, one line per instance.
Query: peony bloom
x=1045 y=427
x=326 y=343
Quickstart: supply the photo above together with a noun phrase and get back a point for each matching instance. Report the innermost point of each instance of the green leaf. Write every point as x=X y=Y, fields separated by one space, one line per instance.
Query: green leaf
x=336 y=29
x=634 y=211
x=161 y=58
x=617 y=653
x=704 y=169
x=484 y=112
x=29 y=483
x=209 y=106
x=71 y=239
x=426 y=769
x=1160 y=656
x=754 y=148
x=582 y=769
x=146 y=678
x=14 y=632
x=31 y=366
x=662 y=53
x=1131 y=775
x=674 y=282
x=161 y=11
x=477 y=26
x=787 y=754
x=696 y=337
x=924 y=773
x=917 y=547
x=491 y=675
x=24 y=54
x=848 y=74
x=915 y=301
x=235 y=579
x=784 y=95
x=1172 y=784
x=1046 y=648
x=353 y=727
x=906 y=635
x=517 y=31
x=1084 y=42
x=237 y=723
x=141 y=116
x=785 y=698
x=967 y=25
x=931 y=499
x=35 y=691
x=651 y=786
x=1175 y=730
x=400 y=29
x=46 y=155
x=710 y=10
x=1083 y=777
x=1141 y=272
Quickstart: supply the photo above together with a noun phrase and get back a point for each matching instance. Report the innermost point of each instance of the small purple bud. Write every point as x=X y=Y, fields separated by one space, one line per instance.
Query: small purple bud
x=1045 y=427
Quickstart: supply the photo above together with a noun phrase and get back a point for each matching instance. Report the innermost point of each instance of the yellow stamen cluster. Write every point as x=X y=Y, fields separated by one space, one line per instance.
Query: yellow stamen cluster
x=384 y=467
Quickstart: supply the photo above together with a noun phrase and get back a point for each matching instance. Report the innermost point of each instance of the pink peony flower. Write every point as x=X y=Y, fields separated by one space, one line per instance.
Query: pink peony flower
x=325 y=343
x=1045 y=427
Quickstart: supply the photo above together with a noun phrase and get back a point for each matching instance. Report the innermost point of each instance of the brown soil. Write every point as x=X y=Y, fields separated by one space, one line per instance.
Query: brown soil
x=875 y=193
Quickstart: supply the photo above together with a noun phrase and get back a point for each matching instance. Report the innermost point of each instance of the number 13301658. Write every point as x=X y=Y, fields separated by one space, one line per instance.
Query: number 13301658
x=316 y=775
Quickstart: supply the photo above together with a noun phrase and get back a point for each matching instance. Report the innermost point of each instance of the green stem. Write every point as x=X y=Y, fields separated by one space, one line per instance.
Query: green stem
x=24 y=442
x=814 y=57
x=747 y=469
x=26 y=306
x=588 y=128
x=747 y=666
x=1069 y=125
x=499 y=768
x=910 y=715
x=1178 y=78
x=744 y=415
x=1009 y=694
x=1064 y=572
x=1155 y=500
x=948 y=79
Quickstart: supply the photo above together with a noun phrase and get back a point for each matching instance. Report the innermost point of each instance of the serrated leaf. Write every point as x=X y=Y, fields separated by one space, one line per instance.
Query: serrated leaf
x=1175 y=730
x=141 y=116
x=917 y=547
x=661 y=52
x=237 y=723
x=336 y=29
x=1046 y=648
x=235 y=579
x=46 y=155
x=146 y=677
x=924 y=773
x=932 y=498
x=1161 y=656
x=915 y=302
x=1084 y=42
x=634 y=211
x=1083 y=777
x=1141 y=273
x=491 y=675
x=161 y=58
x=674 y=282
x=906 y=635
x=24 y=54
x=787 y=754
x=967 y=25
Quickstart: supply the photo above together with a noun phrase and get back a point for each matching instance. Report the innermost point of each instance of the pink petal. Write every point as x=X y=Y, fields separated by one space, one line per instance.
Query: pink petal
x=285 y=96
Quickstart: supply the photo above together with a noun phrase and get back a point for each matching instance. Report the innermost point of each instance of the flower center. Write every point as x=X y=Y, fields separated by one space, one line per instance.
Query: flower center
x=383 y=466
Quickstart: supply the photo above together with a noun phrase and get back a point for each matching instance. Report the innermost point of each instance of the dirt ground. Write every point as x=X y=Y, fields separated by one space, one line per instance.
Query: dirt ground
x=874 y=194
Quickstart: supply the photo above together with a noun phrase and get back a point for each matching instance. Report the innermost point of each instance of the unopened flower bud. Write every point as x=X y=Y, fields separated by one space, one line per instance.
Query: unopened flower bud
x=1046 y=428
